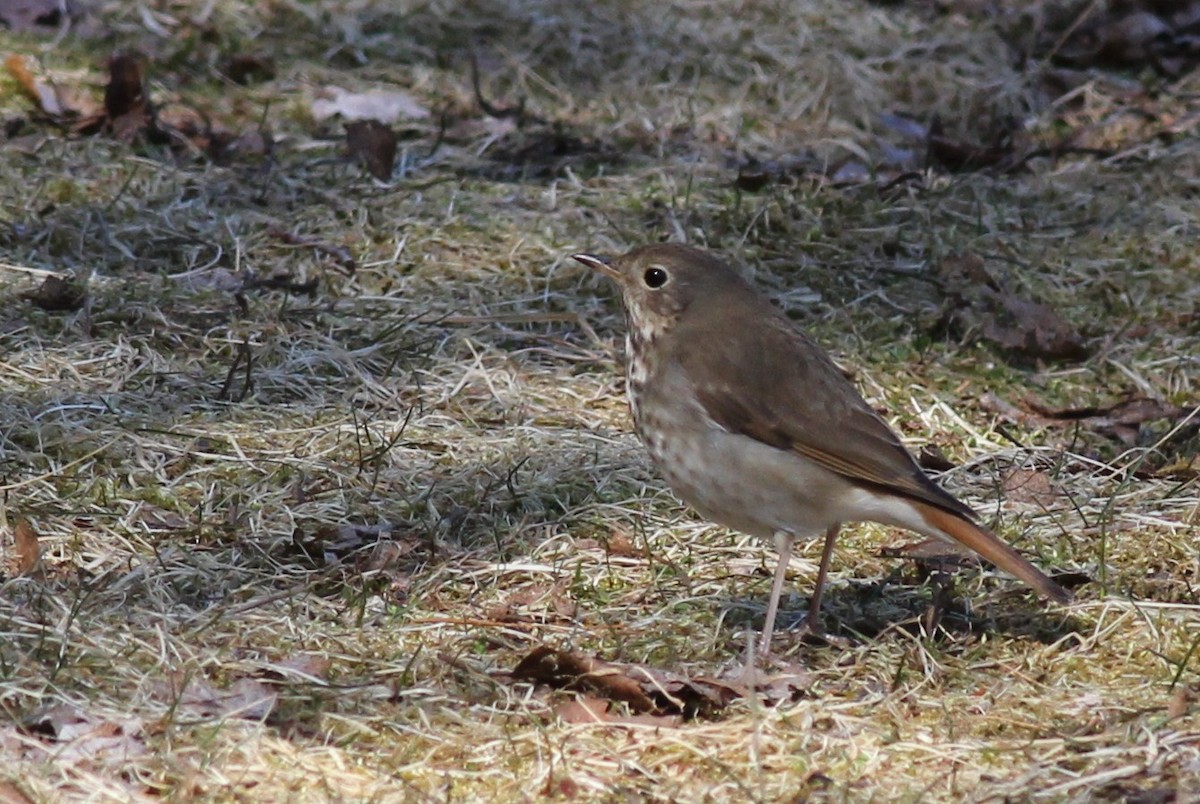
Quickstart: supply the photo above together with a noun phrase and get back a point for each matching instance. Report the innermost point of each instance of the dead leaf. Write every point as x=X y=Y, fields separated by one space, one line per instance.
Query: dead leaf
x=374 y=548
x=374 y=145
x=125 y=100
x=1180 y=701
x=932 y=551
x=587 y=709
x=789 y=682
x=305 y=667
x=1030 y=486
x=703 y=695
x=245 y=698
x=386 y=555
x=1160 y=35
x=559 y=785
x=568 y=670
x=56 y=294
x=646 y=690
x=383 y=105
x=976 y=303
x=340 y=254
x=755 y=174
x=35 y=89
x=932 y=458
x=1031 y=329
x=80 y=735
x=959 y=155
x=565 y=606
x=243 y=68
x=11 y=794
x=932 y=558
x=29 y=552
x=157 y=520
x=584 y=709
x=27 y=144
x=1122 y=420
x=619 y=544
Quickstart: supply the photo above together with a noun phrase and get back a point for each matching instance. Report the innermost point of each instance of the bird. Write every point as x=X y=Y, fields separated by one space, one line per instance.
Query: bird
x=752 y=423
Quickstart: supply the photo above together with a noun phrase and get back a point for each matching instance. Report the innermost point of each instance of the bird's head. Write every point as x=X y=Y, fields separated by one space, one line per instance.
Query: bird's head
x=660 y=281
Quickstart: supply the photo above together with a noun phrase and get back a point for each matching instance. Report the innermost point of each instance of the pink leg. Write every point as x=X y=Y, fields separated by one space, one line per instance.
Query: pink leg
x=783 y=545
x=813 y=621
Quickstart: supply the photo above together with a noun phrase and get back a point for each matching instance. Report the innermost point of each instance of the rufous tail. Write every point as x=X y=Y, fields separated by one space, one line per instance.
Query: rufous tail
x=990 y=546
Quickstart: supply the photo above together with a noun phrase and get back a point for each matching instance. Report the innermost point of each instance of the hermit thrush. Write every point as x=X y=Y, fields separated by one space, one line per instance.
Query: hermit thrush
x=753 y=425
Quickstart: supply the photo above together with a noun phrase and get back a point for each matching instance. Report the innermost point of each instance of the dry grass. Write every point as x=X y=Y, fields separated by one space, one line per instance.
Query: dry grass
x=219 y=630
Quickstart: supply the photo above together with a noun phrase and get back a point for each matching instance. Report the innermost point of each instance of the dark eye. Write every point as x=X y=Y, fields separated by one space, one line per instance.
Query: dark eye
x=655 y=278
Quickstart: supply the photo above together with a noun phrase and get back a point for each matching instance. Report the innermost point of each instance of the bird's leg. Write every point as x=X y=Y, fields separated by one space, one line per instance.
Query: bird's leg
x=812 y=623
x=783 y=545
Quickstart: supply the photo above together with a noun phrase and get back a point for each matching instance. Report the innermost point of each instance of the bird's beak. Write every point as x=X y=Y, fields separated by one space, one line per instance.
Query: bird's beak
x=602 y=264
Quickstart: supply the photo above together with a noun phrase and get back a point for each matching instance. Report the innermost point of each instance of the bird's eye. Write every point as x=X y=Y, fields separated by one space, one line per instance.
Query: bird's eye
x=655 y=278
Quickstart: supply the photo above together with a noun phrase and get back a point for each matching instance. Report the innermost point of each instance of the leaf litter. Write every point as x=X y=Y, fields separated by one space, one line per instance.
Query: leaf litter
x=655 y=696
x=979 y=305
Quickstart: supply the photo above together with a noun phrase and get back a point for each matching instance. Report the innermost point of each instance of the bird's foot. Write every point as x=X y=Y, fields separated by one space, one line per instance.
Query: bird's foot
x=773 y=677
x=812 y=633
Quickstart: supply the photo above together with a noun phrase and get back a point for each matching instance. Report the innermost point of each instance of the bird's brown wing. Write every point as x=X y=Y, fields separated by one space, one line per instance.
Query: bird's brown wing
x=771 y=383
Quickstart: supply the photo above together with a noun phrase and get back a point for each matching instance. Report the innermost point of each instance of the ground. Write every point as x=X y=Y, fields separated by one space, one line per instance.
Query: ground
x=317 y=459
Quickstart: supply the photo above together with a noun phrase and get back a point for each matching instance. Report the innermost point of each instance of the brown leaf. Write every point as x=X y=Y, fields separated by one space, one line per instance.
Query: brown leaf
x=1121 y=420
x=619 y=544
x=29 y=552
x=558 y=785
x=787 y=683
x=584 y=709
x=703 y=695
x=754 y=174
x=563 y=604
x=57 y=294
x=931 y=550
x=1030 y=486
x=340 y=254
x=647 y=690
x=35 y=89
x=242 y=68
x=568 y=670
x=386 y=555
x=959 y=155
x=11 y=794
x=1030 y=329
x=373 y=144
x=125 y=100
x=978 y=304
x=157 y=520
x=588 y=709
x=753 y=180
x=932 y=458
x=305 y=667
x=247 y=698
x=80 y=735
x=932 y=557
x=124 y=93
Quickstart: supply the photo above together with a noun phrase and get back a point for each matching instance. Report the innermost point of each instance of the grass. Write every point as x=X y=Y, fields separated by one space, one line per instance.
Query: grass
x=313 y=586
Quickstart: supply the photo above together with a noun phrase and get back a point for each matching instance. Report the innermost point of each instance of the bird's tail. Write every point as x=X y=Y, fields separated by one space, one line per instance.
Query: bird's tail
x=991 y=547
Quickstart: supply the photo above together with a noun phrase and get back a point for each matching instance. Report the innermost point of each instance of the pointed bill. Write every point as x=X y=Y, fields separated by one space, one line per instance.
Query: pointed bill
x=597 y=263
